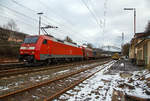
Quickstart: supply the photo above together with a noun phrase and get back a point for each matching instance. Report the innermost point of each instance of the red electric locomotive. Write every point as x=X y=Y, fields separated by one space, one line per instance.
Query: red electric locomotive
x=47 y=48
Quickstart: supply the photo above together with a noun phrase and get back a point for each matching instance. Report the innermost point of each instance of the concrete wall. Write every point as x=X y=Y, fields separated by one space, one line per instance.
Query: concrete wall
x=131 y=52
x=139 y=53
x=133 y=49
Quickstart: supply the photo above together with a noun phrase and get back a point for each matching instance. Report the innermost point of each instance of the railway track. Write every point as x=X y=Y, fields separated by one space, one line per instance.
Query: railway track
x=18 y=71
x=12 y=65
x=23 y=69
x=53 y=87
x=7 y=66
x=57 y=94
x=4 y=63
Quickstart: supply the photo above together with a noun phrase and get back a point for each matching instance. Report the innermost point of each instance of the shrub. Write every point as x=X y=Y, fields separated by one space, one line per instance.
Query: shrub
x=9 y=51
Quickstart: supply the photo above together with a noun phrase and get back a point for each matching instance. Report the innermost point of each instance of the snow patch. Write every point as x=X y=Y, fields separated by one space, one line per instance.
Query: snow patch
x=100 y=87
x=122 y=64
x=61 y=72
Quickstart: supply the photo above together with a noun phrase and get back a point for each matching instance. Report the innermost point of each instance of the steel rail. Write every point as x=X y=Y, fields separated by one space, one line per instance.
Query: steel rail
x=70 y=87
x=18 y=71
x=8 y=73
x=48 y=82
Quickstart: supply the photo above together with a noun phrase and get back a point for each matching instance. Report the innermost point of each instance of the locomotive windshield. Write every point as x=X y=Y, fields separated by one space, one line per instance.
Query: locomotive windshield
x=30 y=40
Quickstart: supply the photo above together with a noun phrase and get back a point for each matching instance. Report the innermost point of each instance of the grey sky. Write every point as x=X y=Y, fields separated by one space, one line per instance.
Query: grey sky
x=74 y=19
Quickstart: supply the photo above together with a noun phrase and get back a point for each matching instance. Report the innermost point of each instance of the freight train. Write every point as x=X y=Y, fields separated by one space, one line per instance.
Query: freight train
x=115 y=56
x=45 y=48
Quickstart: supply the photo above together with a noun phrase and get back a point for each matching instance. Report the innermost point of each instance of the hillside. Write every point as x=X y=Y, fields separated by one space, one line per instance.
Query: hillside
x=10 y=42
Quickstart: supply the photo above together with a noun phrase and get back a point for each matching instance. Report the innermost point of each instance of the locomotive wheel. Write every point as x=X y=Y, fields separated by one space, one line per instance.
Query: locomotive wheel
x=34 y=61
x=48 y=61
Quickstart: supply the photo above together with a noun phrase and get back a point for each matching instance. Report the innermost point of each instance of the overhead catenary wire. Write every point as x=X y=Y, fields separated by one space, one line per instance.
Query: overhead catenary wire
x=105 y=20
x=105 y=13
x=18 y=12
x=6 y=17
x=55 y=13
x=100 y=20
x=96 y=15
x=14 y=1
x=35 y=11
x=74 y=32
x=63 y=29
x=92 y=13
x=29 y=26
x=24 y=15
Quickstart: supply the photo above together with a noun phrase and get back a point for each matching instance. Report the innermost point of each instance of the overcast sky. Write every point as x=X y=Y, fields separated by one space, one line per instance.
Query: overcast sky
x=100 y=22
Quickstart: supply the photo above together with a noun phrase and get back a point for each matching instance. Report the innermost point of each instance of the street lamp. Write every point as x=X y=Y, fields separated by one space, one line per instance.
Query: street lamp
x=134 y=17
x=39 y=21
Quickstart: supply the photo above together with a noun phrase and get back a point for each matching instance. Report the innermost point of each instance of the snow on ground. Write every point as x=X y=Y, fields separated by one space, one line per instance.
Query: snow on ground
x=102 y=85
x=9 y=86
x=64 y=71
x=92 y=88
x=122 y=64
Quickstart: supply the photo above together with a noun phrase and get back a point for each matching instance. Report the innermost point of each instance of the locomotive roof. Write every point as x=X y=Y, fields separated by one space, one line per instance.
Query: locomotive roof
x=55 y=39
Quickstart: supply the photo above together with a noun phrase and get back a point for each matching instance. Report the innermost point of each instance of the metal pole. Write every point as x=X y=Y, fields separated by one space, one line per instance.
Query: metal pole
x=122 y=39
x=122 y=43
x=39 y=21
x=39 y=24
x=134 y=21
x=134 y=9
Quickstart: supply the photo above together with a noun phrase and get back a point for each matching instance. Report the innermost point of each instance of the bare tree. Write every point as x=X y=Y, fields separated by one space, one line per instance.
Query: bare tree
x=125 y=49
x=89 y=45
x=68 y=39
x=12 y=26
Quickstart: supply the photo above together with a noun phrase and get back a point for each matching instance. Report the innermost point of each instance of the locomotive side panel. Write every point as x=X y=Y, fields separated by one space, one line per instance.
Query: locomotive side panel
x=61 y=50
x=45 y=48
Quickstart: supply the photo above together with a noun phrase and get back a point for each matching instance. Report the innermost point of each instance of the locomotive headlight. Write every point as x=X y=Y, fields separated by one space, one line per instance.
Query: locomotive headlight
x=31 y=47
x=32 y=52
x=21 y=52
x=22 y=47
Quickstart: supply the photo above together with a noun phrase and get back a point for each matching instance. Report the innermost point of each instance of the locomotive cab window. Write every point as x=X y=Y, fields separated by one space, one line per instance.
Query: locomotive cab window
x=29 y=40
x=44 y=41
